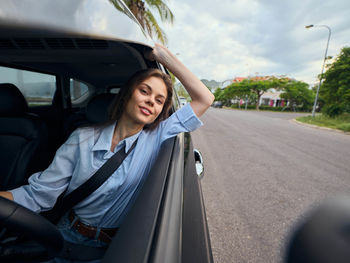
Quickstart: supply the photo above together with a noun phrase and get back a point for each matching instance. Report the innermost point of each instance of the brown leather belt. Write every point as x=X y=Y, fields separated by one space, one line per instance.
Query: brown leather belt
x=105 y=234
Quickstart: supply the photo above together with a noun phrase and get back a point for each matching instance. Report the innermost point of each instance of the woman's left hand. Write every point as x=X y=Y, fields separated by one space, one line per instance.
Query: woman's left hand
x=162 y=55
x=201 y=97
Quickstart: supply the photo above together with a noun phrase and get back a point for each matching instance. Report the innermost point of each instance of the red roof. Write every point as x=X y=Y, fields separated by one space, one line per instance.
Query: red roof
x=238 y=79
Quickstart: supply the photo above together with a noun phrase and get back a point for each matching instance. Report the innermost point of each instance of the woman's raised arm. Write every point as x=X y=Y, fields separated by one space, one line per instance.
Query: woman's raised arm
x=201 y=97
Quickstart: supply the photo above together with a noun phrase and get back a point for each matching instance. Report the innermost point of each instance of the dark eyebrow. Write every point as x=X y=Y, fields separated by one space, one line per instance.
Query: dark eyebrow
x=150 y=88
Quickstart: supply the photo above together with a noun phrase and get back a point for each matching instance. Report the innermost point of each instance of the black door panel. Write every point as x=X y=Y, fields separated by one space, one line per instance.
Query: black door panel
x=134 y=240
x=195 y=235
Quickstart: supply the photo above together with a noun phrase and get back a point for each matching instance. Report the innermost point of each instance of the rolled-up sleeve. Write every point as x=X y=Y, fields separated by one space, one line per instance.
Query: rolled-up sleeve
x=183 y=120
x=44 y=187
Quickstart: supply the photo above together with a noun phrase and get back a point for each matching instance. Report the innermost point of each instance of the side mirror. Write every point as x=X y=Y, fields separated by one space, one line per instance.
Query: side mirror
x=199 y=163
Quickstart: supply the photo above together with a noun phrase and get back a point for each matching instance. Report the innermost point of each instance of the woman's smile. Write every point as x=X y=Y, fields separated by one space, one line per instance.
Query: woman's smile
x=145 y=111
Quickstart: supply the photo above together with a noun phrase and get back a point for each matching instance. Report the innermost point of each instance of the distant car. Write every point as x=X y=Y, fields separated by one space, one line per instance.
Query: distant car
x=217 y=104
x=61 y=64
x=183 y=101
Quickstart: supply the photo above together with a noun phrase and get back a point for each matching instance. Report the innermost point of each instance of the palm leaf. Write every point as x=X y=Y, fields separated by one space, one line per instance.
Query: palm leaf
x=155 y=28
x=121 y=8
x=164 y=11
x=140 y=10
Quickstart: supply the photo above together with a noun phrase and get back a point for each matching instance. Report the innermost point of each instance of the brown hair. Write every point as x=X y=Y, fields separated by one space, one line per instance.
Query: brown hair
x=119 y=103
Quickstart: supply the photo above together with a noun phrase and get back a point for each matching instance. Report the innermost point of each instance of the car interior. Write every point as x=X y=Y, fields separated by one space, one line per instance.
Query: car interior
x=86 y=74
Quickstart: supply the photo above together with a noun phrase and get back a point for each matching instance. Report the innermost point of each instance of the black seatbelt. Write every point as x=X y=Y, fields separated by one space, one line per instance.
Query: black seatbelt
x=65 y=203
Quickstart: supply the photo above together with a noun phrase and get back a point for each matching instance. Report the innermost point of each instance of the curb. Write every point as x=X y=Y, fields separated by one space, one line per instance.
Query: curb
x=319 y=127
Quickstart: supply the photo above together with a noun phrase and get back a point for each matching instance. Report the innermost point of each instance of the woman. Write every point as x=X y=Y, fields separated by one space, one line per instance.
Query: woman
x=141 y=115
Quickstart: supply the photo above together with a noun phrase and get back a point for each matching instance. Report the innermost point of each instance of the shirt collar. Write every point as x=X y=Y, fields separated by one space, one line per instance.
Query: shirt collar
x=104 y=142
x=130 y=140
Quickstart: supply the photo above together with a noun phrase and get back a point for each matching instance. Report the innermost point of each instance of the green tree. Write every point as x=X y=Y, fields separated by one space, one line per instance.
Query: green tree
x=259 y=87
x=251 y=89
x=335 y=91
x=299 y=94
x=234 y=91
x=146 y=18
x=219 y=95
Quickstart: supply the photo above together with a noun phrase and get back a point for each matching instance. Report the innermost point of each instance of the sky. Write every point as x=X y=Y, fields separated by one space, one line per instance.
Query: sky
x=225 y=39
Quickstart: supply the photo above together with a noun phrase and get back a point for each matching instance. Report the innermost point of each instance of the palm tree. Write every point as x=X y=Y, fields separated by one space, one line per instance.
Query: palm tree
x=145 y=17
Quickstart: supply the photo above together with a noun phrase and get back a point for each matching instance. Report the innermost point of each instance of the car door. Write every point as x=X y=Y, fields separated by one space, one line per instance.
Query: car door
x=167 y=222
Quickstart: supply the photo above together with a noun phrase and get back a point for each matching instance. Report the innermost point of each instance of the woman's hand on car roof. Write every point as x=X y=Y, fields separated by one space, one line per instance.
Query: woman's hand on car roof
x=201 y=96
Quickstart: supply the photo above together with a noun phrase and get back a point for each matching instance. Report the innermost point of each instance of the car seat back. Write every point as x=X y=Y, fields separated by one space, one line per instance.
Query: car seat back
x=23 y=139
x=96 y=112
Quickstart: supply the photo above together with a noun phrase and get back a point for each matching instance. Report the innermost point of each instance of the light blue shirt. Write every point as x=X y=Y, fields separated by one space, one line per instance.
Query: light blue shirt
x=85 y=151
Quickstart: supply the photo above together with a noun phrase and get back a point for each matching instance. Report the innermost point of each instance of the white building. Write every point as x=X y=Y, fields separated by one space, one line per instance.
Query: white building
x=273 y=99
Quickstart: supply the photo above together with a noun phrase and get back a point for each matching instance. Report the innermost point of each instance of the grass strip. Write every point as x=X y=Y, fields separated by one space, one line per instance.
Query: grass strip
x=341 y=122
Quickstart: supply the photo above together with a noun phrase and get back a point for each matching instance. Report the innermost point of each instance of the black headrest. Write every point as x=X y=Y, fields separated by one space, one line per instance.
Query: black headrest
x=97 y=108
x=12 y=102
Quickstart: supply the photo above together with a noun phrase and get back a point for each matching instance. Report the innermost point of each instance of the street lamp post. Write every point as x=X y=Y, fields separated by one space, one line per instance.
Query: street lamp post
x=324 y=62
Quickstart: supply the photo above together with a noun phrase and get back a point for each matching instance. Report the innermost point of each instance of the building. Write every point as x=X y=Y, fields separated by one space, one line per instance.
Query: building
x=273 y=99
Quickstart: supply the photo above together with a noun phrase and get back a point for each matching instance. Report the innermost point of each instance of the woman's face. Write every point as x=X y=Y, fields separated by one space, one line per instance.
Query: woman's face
x=147 y=101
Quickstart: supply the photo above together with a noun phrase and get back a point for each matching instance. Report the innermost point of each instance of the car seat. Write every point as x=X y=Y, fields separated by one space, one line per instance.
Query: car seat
x=96 y=112
x=23 y=139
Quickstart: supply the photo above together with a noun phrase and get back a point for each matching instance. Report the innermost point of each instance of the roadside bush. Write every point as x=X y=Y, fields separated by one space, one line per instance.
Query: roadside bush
x=261 y=107
x=270 y=108
x=249 y=107
x=347 y=108
x=335 y=90
x=264 y=107
x=345 y=127
x=333 y=110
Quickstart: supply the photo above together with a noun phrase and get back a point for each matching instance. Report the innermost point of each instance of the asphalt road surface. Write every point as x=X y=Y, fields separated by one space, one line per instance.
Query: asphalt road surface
x=262 y=173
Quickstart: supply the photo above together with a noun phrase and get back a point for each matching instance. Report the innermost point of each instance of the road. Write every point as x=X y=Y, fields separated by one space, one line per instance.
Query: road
x=262 y=173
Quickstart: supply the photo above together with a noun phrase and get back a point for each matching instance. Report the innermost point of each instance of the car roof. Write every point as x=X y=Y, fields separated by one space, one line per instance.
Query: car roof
x=87 y=40
x=98 y=19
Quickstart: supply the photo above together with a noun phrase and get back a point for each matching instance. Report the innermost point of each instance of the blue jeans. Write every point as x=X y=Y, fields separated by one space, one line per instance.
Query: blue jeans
x=71 y=235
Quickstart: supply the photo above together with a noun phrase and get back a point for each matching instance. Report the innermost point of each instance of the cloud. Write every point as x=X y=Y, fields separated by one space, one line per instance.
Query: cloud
x=230 y=38
x=44 y=10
